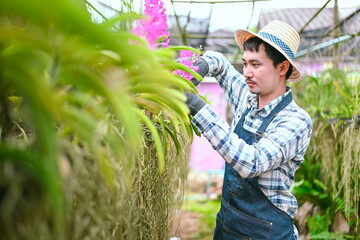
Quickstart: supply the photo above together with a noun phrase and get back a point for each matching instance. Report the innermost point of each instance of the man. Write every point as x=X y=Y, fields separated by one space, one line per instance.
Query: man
x=267 y=139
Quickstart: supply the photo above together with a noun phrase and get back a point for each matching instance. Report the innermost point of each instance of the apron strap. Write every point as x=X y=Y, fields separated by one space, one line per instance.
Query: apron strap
x=241 y=121
x=284 y=102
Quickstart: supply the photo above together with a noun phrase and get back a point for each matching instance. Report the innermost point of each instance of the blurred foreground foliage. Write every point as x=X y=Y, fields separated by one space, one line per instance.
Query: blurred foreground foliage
x=330 y=175
x=94 y=127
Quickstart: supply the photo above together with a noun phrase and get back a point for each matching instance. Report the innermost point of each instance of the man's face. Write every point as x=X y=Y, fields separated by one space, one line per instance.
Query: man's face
x=261 y=76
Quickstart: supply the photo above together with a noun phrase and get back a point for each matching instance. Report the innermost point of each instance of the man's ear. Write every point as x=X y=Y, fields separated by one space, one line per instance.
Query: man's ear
x=284 y=67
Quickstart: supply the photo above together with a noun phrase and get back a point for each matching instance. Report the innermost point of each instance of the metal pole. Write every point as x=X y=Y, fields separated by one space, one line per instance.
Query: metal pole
x=181 y=30
x=336 y=36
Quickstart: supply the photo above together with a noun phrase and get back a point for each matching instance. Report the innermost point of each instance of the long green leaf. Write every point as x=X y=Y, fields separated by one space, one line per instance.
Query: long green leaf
x=162 y=124
x=155 y=135
x=34 y=165
x=173 y=135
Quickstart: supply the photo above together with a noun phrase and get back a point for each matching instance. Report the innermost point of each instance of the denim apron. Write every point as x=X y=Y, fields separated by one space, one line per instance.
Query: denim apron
x=246 y=213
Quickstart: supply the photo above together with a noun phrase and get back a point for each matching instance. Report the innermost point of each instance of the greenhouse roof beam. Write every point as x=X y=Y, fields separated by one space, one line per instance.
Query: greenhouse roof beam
x=302 y=29
x=357 y=11
x=212 y=2
x=323 y=45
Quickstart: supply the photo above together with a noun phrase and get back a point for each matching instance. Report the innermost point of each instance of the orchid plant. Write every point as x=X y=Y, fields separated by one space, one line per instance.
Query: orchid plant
x=188 y=59
x=154 y=26
x=154 y=29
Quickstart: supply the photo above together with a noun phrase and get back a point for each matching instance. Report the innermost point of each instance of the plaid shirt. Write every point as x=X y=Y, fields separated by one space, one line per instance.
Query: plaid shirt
x=276 y=157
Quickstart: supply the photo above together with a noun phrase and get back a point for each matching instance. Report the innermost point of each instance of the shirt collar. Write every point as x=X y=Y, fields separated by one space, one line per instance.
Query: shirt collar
x=253 y=102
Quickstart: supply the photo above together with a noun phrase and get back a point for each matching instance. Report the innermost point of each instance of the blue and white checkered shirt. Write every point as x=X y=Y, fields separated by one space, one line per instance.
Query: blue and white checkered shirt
x=276 y=157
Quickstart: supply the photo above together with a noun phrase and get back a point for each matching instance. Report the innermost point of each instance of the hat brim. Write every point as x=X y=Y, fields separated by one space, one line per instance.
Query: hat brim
x=241 y=36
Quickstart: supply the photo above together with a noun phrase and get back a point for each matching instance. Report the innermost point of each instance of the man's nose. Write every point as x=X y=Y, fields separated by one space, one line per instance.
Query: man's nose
x=248 y=72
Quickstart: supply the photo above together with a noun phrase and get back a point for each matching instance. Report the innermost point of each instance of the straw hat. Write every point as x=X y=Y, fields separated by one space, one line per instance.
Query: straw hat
x=281 y=36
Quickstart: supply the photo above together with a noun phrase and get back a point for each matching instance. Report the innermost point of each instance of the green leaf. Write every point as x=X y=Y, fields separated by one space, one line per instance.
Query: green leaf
x=36 y=166
x=121 y=18
x=178 y=66
x=159 y=149
x=161 y=118
x=179 y=48
x=173 y=135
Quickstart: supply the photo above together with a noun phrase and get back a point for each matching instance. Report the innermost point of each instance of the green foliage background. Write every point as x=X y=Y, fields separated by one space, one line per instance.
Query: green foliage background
x=330 y=176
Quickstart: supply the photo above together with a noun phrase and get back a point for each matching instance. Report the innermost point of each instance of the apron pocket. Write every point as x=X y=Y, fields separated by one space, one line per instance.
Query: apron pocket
x=230 y=235
x=238 y=225
x=236 y=185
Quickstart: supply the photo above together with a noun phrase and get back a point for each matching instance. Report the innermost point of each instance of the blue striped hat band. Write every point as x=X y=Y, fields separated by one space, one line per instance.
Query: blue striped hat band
x=278 y=42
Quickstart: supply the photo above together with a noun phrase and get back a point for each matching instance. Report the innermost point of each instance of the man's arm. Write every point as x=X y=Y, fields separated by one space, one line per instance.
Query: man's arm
x=230 y=80
x=289 y=139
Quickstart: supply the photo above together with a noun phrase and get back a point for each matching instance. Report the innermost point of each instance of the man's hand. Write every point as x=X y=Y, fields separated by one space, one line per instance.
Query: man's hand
x=194 y=102
x=202 y=71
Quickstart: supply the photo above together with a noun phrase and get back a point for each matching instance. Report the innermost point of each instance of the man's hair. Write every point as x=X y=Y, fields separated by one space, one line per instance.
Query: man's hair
x=254 y=43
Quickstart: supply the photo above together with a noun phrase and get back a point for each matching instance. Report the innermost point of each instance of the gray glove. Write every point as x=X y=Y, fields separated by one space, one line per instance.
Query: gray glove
x=202 y=71
x=194 y=102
